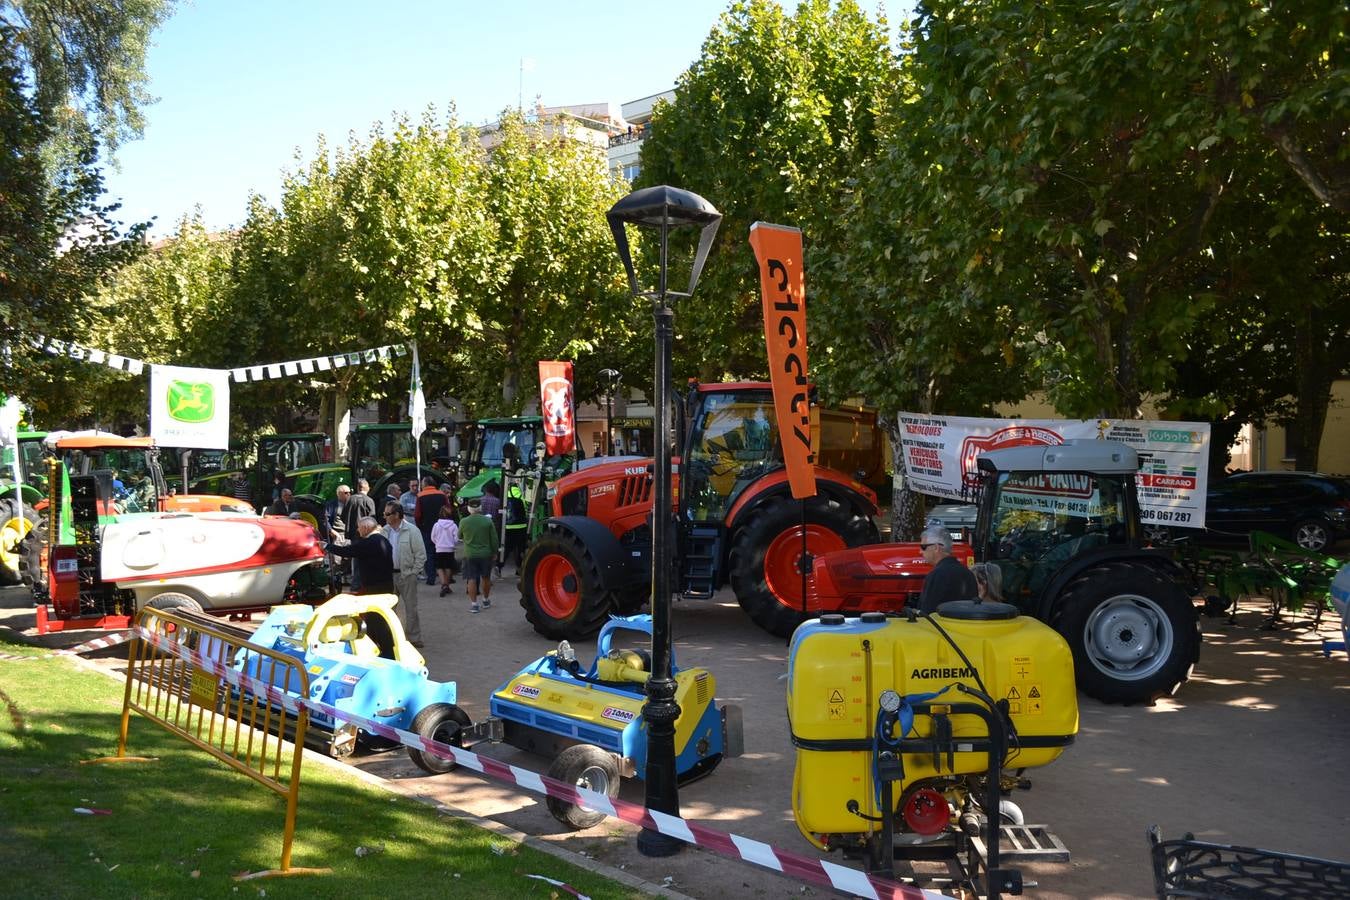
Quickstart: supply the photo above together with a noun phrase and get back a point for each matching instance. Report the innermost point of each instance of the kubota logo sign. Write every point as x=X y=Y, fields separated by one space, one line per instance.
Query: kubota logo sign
x=191 y=401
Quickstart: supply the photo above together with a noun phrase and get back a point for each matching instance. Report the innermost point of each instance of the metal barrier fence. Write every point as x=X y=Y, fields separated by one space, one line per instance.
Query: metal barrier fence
x=260 y=738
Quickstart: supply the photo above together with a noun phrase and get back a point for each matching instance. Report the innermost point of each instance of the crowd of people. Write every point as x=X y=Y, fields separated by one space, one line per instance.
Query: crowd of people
x=417 y=536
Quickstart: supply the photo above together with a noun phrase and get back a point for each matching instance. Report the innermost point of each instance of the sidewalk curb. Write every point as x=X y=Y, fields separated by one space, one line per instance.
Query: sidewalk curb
x=588 y=863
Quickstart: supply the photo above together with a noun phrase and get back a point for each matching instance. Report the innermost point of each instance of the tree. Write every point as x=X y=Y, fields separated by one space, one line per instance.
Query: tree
x=72 y=74
x=554 y=286
x=767 y=124
x=85 y=61
x=56 y=242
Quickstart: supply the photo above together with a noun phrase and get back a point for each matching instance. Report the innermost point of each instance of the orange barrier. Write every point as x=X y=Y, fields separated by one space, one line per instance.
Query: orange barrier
x=262 y=740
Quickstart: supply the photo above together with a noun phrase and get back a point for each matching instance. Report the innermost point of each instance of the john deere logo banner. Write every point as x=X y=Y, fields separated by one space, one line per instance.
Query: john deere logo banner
x=555 y=400
x=778 y=249
x=190 y=407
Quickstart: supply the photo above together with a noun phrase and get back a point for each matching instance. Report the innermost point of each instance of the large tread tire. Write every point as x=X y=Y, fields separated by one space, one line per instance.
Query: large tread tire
x=14 y=532
x=562 y=589
x=443 y=722
x=583 y=765
x=30 y=560
x=1134 y=633
x=765 y=556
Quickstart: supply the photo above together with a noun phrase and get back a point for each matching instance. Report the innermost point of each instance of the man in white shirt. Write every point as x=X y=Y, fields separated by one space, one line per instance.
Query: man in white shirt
x=410 y=561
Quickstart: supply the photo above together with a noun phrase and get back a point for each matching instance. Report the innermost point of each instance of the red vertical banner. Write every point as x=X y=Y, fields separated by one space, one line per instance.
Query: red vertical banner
x=555 y=401
x=782 y=277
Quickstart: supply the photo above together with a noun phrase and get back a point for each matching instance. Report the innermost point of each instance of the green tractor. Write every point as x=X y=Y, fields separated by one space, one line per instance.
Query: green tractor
x=380 y=454
x=21 y=502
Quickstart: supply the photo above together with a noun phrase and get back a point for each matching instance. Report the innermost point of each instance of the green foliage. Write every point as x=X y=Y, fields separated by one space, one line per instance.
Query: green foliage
x=56 y=241
x=554 y=287
x=766 y=124
x=85 y=61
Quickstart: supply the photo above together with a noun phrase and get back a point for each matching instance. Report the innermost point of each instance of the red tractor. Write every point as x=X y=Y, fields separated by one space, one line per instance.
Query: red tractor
x=737 y=521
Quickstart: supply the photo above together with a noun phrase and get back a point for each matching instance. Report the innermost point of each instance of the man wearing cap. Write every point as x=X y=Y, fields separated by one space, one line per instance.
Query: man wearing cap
x=478 y=537
x=949 y=579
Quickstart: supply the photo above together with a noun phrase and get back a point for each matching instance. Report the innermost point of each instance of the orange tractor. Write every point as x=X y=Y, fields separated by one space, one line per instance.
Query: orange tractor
x=736 y=520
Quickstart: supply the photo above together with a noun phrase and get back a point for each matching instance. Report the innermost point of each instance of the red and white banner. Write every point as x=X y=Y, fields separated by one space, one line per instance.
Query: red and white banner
x=782 y=277
x=555 y=402
x=940 y=451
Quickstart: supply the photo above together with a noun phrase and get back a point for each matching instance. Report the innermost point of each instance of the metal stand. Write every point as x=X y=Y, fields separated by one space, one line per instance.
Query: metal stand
x=890 y=769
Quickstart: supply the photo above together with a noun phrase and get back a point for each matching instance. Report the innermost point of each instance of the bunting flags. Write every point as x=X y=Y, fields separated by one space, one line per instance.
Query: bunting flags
x=259 y=372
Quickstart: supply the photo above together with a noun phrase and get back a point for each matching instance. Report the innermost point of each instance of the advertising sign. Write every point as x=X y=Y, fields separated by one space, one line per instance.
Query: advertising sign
x=555 y=399
x=190 y=407
x=940 y=451
x=778 y=249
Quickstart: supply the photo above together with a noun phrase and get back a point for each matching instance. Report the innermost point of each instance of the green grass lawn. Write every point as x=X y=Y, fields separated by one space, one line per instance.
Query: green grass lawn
x=182 y=826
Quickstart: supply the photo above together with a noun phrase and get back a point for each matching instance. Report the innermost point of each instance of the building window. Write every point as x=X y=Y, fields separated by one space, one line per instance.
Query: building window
x=630 y=171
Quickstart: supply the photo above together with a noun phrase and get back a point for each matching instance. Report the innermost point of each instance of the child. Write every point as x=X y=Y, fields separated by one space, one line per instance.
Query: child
x=444 y=537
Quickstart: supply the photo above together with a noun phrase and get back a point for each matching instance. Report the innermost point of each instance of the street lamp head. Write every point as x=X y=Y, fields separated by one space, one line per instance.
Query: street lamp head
x=613 y=376
x=663 y=207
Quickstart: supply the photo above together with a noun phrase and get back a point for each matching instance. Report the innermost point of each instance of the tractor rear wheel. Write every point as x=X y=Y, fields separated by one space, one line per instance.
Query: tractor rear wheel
x=14 y=530
x=444 y=723
x=584 y=766
x=766 y=556
x=1134 y=633
x=561 y=587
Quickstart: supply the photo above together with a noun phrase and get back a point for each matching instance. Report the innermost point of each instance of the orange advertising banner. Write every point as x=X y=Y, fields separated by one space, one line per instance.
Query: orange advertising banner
x=555 y=401
x=778 y=249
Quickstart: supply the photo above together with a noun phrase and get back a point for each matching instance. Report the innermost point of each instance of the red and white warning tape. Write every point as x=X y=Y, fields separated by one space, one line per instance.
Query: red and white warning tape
x=793 y=865
x=111 y=640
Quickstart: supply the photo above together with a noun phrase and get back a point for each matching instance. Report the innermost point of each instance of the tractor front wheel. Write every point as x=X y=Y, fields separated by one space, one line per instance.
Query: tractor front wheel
x=561 y=587
x=584 y=766
x=1134 y=633
x=445 y=724
x=30 y=560
x=767 y=559
x=14 y=530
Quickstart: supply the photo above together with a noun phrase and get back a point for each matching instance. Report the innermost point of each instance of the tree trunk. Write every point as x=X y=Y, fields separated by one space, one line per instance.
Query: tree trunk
x=906 y=505
x=1313 y=395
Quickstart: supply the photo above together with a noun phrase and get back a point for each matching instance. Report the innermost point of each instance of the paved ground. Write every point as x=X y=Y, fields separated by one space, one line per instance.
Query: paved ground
x=1251 y=751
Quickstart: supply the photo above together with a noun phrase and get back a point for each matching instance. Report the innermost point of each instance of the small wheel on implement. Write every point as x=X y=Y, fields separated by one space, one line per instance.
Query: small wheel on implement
x=171 y=602
x=442 y=722
x=586 y=766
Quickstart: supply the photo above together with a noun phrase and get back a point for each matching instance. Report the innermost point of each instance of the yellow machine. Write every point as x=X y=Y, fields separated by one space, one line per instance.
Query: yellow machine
x=907 y=725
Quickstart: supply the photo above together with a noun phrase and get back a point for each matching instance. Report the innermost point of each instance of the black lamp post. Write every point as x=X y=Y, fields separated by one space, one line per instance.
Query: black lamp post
x=661 y=209
x=613 y=376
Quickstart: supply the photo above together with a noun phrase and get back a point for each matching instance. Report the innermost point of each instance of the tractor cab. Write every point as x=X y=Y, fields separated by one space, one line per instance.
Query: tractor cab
x=384 y=453
x=32 y=485
x=502 y=446
x=732 y=441
x=1046 y=506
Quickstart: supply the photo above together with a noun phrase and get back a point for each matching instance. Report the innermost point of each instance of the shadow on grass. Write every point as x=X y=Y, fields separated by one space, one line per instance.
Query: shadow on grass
x=185 y=824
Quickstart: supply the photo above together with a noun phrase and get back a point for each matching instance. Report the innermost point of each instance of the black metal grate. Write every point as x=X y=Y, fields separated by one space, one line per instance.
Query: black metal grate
x=1191 y=868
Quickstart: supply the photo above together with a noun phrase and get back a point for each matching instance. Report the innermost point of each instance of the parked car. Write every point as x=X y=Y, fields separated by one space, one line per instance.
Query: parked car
x=959 y=518
x=1310 y=509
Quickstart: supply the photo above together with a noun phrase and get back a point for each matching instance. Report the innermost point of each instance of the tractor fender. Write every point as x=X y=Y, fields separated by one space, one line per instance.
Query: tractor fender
x=617 y=567
x=855 y=496
x=1157 y=559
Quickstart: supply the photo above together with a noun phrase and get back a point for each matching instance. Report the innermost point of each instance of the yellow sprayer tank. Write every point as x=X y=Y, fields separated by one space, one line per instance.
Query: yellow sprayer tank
x=838 y=669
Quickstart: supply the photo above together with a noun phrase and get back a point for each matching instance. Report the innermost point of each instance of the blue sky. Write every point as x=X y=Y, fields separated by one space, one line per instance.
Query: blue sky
x=242 y=83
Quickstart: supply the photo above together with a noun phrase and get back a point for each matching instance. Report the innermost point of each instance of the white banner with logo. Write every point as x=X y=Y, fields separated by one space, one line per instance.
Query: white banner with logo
x=190 y=407
x=939 y=456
